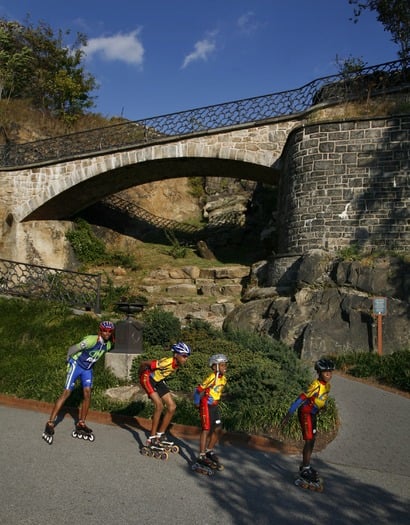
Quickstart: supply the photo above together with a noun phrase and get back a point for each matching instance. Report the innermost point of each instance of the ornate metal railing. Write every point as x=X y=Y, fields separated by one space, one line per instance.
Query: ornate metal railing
x=368 y=82
x=33 y=281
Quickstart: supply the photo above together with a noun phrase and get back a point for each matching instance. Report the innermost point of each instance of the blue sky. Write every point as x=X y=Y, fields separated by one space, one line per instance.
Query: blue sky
x=154 y=57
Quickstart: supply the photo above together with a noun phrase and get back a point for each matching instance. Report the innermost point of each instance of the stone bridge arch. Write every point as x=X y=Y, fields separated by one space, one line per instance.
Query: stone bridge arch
x=59 y=190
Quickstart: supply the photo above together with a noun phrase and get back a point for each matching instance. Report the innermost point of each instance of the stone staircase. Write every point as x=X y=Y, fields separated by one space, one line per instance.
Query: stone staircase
x=191 y=292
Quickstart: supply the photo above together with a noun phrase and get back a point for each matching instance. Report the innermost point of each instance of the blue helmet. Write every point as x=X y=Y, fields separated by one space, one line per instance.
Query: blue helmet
x=181 y=348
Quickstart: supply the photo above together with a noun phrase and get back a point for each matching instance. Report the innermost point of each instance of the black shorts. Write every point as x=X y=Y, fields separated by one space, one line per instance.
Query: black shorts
x=160 y=387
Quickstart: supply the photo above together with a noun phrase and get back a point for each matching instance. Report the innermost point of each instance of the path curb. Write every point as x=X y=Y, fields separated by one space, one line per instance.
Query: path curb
x=255 y=442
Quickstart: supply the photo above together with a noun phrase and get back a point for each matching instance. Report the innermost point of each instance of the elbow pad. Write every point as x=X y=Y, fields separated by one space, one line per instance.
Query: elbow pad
x=197 y=397
x=297 y=403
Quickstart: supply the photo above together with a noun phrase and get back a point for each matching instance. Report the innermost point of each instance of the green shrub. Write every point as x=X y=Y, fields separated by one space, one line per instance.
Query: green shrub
x=87 y=247
x=391 y=369
x=160 y=327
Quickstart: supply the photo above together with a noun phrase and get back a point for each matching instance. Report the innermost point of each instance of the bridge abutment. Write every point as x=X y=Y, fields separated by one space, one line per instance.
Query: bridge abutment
x=344 y=183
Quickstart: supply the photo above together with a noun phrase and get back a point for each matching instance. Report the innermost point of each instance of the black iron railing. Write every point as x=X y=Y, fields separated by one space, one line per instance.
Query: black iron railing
x=34 y=281
x=368 y=82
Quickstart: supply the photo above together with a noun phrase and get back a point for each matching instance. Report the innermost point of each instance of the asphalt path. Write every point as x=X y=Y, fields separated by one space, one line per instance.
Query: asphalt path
x=366 y=472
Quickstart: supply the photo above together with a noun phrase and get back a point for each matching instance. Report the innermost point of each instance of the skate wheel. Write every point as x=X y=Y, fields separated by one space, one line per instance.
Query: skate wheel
x=85 y=437
x=48 y=439
x=202 y=470
x=91 y=438
x=163 y=456
x=220 y=467
x=144 y=451
x=175 y=449
x=74 y=434
x=79 y=435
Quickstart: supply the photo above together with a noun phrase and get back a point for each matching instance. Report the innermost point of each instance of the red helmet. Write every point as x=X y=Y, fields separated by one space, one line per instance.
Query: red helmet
x=107 y=326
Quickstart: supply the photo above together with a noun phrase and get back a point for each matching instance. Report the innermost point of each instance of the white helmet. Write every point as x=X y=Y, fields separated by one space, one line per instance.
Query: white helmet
x=216 y=359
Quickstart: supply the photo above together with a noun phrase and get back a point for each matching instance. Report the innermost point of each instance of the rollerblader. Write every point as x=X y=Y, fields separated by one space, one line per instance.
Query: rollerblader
x=81 y=359
x=152 y=379
x=206 y=398
x=308 y=404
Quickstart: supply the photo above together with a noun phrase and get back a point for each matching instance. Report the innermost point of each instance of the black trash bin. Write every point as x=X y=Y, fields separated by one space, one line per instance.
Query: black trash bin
x=128 y=333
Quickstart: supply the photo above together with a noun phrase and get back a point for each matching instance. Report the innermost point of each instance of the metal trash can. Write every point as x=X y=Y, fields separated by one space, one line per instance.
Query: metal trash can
x=128 y=333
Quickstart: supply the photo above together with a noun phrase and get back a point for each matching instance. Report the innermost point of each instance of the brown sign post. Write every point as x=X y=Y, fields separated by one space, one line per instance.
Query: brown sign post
x=379 y=309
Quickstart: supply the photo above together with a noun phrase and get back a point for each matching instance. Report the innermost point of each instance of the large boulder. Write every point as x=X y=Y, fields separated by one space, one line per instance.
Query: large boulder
x=327 y=304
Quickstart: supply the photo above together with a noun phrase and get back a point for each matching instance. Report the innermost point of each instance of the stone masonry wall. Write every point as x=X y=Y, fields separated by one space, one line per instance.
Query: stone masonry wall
x=346 y=182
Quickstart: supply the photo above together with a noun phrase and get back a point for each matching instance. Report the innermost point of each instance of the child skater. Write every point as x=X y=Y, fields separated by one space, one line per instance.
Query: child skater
x=308 y=405
x=152 y=378
x=206 y=397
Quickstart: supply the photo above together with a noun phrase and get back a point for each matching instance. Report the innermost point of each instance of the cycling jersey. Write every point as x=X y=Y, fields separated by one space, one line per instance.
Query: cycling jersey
x=162 y=368
x=212 y=387
x=314 y=399
x=88 y=351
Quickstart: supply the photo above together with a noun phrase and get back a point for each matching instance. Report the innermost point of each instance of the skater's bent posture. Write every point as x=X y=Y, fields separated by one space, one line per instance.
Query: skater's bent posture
x=81 y=359
x=308 y=405
x=206 y=398
x=152 y=376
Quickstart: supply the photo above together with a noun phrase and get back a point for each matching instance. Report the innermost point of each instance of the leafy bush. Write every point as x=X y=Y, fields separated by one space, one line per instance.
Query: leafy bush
x=391 y=369
x=87 y=247
x=90 y=249
x=264 y=377
x=160 y=327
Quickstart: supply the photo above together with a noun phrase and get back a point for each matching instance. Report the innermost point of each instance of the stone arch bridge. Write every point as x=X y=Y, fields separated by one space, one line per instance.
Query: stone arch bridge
x=58 y=190
x=340 y=181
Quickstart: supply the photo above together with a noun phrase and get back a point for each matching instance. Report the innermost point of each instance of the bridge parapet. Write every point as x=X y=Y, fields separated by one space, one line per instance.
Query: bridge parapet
x=369 y=81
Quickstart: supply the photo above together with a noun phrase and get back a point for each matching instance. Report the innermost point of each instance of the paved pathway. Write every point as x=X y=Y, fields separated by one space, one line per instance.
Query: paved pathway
x=366 y=471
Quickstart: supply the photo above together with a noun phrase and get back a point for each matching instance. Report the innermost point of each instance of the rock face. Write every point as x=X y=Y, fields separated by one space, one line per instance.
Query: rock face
x=319 y=305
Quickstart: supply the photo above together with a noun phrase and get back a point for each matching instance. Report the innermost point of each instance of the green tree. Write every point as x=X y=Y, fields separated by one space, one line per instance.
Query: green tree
x=395 y=17
x=36 y=64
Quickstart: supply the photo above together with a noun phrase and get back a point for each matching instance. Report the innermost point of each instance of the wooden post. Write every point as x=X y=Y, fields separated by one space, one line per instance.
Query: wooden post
x=380 y=334
x=379 y=309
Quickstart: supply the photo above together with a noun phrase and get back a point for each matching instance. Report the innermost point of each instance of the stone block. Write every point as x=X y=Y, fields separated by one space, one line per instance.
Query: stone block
x=120 y=364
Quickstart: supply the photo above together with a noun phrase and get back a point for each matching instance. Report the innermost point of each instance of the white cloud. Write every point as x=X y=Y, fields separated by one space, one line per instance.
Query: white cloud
x=203 y=48
x=247 y=23
x=120 y=47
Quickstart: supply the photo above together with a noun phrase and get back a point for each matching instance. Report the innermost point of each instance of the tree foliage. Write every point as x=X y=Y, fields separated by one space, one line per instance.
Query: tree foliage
x=395 y=17
x=36 y=64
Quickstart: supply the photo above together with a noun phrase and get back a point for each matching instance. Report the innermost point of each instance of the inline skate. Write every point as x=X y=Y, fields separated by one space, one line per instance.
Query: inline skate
x=48 y=434
x=154 y=449
x=204 y=465
x=216 y=464
x=309 y=479
x=81 y=431
x=169 y=446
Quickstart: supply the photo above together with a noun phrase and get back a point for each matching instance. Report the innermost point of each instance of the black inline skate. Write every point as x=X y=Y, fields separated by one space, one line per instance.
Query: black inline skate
x=48 y=434
x=204 y=465
x=216 y=464
x=154 y=449
x=81 y=431
x=309 y=479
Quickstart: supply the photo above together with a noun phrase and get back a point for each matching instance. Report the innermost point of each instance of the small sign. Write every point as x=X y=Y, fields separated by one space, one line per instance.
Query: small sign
x=380 y=305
